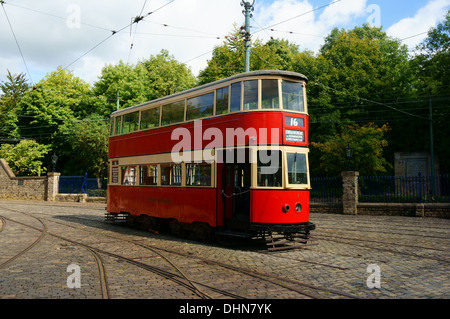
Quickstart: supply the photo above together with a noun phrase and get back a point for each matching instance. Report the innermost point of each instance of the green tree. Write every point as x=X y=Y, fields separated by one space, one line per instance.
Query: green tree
x=59 y=97
x=368 y=142
x=12 y=92
x=82 y=147
x=228 y=58
x=25 y=158
x=165 y=75
x=121 y=81
x=431 y=67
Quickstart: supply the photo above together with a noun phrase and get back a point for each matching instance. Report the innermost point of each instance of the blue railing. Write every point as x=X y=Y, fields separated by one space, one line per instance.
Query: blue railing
x=94 y=187
x=326 y=190
x=404 y=189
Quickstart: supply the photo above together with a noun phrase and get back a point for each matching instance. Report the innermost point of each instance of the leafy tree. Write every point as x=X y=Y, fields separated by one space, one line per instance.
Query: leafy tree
x=228 y=58
x=13 y=90
x=59 y=97
x=25 y=157
x=123 y=81
x=368 y=142
x=156 y=77
x=166 y=76
x=432 y=69
x=83 y=147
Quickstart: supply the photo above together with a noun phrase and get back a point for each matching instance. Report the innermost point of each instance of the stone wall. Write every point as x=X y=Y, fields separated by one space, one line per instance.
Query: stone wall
x=35 y=187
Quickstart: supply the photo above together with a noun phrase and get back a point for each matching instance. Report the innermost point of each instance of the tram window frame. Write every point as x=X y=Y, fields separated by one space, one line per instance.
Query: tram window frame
x=287 y=94
x=204 y=104
x=270 y=179
x=270 y=100
x=144 y=177
x=173 y=112
x=203 y=171
x=251 y=95
x=222 y=100
x=235 y=96
x=149 y=120
x=131 y=178
x=304 y=180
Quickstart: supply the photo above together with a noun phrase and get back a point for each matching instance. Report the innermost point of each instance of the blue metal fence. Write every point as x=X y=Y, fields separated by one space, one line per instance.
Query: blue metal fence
x=94 y=187
x=404 y=189
x=326 y=190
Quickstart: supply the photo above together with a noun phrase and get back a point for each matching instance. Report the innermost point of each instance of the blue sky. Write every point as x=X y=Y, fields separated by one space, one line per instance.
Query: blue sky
x=77 y=34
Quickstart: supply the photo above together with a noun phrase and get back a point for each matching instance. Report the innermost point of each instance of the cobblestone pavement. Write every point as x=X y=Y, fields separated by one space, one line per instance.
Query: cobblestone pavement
x=67 y=251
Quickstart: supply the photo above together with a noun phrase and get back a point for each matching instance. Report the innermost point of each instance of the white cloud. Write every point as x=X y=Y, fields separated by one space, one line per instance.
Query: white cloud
x=424 y=19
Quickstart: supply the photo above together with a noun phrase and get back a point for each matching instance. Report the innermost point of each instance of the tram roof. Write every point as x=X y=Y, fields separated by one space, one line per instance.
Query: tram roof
x=288 y=74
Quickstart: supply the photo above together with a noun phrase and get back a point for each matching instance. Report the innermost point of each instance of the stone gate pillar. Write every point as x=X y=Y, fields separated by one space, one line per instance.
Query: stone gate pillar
x=350 y=192
x=52 y=185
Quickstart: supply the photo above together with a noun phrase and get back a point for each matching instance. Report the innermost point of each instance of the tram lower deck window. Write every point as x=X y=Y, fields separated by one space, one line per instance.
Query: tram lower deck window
x=269 y=168
x=148 y=174
x=171 y=174
x=297 y=168
x=198 y=174
x=129 y=175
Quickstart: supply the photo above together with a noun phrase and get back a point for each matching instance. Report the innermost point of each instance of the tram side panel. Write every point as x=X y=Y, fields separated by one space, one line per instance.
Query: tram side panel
x=187 y=205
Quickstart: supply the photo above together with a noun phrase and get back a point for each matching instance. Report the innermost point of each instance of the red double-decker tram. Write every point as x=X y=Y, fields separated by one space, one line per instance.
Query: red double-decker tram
x=226 y=158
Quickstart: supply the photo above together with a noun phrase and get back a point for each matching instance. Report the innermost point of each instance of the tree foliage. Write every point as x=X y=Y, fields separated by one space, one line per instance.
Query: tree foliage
x=25 y=158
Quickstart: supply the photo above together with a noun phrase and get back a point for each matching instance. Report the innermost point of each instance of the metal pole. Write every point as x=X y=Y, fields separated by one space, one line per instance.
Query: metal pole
x=246 y=32
x=431 y=148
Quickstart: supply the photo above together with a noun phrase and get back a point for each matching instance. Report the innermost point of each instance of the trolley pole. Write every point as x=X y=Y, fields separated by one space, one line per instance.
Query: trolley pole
x=245 y=31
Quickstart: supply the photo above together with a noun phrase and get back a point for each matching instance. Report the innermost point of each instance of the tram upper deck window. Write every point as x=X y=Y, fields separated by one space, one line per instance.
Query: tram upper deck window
x=292 y=96
x=150 y=118
x=270 y=98
x=172 y=113
x=269 y=168
x=200 y=106
x=297 y=168
x=222 y=100
x=235 y=97
x=111 y=126
x=251 y=95
x=117 y=125
x=130 y=122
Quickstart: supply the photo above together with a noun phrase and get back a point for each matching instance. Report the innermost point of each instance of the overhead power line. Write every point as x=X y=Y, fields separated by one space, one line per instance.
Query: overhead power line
x=17 y=42
x=113 y=32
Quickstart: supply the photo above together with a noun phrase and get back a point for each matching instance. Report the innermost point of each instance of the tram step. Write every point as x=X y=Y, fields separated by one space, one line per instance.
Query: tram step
x=281 y=243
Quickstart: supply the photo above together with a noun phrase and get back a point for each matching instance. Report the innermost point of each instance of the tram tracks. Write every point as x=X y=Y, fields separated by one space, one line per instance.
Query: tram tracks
x=301 y=288
x=181 y=279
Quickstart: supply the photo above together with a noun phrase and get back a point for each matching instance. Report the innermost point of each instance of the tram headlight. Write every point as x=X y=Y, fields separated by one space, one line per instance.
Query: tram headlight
x=298 y=207
x=286 y=208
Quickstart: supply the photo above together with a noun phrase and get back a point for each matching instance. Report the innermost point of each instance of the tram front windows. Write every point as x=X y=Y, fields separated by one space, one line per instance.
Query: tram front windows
x=297 y=168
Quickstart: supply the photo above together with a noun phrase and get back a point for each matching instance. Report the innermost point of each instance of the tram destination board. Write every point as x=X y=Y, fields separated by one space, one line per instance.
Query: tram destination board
x=294 y=135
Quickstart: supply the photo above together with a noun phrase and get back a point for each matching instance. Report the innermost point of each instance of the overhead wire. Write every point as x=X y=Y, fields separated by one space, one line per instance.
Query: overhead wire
x=17 y=42
x=113 y=32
